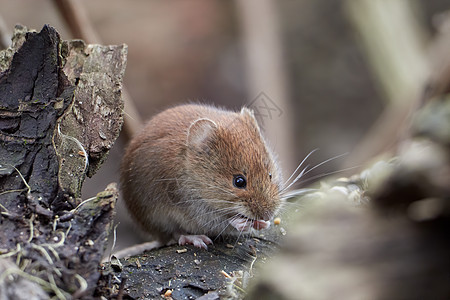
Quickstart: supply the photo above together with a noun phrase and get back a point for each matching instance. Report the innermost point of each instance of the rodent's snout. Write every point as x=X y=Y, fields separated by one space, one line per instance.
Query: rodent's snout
x=262 y=207
x=266 y=217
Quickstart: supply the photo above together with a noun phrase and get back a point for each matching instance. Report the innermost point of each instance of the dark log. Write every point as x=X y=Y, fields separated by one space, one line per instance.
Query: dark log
x=188 y=272
x=60 y=113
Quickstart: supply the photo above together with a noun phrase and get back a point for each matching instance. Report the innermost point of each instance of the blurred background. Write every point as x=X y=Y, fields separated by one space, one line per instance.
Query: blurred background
x=318 y=73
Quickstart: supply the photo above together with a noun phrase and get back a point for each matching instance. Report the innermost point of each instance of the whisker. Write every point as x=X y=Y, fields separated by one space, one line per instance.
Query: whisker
x=225 y=221
x=327 y=174
x=326 y=161
x=304 y=172
x=295 y=180
x=240 y=232
x=217 y=236
x=228 y=222
x=288 y=206
x=298 y=167
x=227 y=209
x=299 y=192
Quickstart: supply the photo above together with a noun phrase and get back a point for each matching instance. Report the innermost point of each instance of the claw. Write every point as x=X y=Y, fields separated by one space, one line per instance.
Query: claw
x=199 y=241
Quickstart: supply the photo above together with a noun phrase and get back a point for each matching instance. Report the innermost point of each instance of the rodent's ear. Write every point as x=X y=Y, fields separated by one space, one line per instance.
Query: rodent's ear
x=249 y=115
x=199 y=131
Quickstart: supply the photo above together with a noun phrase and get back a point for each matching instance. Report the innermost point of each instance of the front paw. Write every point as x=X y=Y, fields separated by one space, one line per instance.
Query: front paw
x=199 y=241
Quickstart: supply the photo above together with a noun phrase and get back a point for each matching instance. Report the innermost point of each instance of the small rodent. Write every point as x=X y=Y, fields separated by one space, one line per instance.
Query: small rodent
x=196 y=172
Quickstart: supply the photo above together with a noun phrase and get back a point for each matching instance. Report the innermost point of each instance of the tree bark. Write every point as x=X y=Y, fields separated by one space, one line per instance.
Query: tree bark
x=60 y=112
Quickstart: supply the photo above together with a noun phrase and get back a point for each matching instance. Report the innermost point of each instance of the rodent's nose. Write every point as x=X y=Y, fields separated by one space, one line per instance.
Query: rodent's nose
x=266 y=217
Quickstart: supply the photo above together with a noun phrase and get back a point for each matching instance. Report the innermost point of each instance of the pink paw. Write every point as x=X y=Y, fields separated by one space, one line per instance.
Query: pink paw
x=199 y=241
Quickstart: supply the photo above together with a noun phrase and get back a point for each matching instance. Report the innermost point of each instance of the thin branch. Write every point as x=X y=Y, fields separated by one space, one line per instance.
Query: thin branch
x=393 y=41
x=5 y=35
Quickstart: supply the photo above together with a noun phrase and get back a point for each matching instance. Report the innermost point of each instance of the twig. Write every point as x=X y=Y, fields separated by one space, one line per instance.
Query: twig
x=137 y=249
x=82 y=203
x=121 y=288
x=5 y=35
x=23 y=179
x=266 y=70
x=114 y=242
x=393 y=41
x=85 y=154
x=12 y=253
x=44 y=253
x=76 y=18
x=31 y=220
x=83 y=287
x=47 y=285
x=439 y=81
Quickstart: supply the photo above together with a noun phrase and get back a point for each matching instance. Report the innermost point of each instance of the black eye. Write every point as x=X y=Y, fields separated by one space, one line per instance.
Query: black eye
x=270 y=175
x=239 y=181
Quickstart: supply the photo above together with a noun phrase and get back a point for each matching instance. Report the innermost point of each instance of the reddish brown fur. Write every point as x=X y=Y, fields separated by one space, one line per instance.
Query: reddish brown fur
x=177 y=173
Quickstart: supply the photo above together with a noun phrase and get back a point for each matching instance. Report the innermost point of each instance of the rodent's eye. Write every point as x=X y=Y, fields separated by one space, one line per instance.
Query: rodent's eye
x=270 y=175
x=239 y=181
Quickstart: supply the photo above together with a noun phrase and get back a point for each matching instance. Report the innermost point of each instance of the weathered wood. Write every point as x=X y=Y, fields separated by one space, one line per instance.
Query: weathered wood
x=60 y=113
x=190 y=272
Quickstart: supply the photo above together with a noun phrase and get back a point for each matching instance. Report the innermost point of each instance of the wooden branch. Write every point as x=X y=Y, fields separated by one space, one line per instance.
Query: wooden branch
x=393 y=40
x=4 y=34
x=394 y=43
x=77 y=20
x=438 y=83
x=266 y=74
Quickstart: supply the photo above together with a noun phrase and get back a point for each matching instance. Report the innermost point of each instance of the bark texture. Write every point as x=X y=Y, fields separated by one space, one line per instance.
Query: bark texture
x=60 y=112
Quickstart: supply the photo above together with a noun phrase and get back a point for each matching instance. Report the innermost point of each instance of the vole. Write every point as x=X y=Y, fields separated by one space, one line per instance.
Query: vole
x=196 y=172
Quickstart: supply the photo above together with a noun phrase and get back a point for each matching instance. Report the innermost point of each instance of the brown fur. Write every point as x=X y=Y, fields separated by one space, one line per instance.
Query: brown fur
x=177 y=174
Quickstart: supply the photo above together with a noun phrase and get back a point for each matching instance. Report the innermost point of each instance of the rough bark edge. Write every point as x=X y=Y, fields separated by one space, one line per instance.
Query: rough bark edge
x=55 y=238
